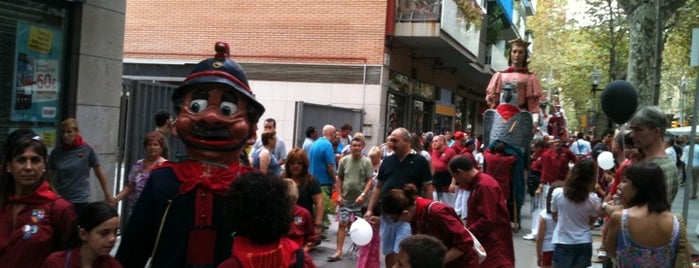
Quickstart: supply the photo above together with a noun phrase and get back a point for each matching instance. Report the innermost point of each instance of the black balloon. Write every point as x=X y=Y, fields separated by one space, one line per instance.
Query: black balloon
x=619 y=101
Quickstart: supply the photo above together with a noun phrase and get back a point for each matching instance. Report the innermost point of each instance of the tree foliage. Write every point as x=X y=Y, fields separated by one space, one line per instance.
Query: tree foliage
x=571 y=49
x=642 y=18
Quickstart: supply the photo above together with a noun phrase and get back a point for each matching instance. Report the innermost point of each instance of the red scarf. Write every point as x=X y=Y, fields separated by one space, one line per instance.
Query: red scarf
x=41 y=195
x=507 y=111
x=511 y=69
x=76 y=143
x=214 y=178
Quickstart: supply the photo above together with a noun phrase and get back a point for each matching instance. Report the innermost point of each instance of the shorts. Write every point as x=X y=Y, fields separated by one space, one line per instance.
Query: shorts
x=348 y=212
x=546 y=258
x=576 y=255
x=392 y=233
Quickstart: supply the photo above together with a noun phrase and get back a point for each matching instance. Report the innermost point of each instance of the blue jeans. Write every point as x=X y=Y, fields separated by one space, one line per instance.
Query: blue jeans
x=572 y=256
x=392 y=233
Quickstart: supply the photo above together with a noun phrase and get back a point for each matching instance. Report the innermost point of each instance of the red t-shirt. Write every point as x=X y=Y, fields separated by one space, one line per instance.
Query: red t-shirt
x=72 y=257
x=554 y=164
x=442 y=222
x=281 y=254
x=302 y=229
x=45 y=222
x=499 y=166
x=489 y=220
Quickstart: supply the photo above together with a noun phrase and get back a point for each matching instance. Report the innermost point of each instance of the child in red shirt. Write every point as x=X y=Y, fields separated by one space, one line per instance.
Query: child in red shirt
x=302 y=229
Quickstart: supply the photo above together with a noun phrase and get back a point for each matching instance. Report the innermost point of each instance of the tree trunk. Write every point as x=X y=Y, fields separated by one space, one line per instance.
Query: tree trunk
x=642 y=67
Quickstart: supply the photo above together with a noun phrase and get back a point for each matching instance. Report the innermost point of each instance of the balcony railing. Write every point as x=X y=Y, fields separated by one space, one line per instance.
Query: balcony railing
x=418 y=10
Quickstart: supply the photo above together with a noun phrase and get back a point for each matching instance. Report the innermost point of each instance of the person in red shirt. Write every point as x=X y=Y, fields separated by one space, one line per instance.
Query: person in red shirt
x=555 y=161
x=259 y=210
x=459 y=140
x=302 y=229
x=445 y=188
x=487 y=218
x=432 y=218
x=34 y=220
x=499 y=166
x=94 y=237
x=470 y=145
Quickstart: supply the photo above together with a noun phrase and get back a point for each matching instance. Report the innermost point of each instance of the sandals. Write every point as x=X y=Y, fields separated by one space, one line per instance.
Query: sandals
x=333 y=258
x=601 y=256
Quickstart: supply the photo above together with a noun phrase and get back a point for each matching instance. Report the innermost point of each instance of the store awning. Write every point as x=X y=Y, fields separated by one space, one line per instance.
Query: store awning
x=679 y=131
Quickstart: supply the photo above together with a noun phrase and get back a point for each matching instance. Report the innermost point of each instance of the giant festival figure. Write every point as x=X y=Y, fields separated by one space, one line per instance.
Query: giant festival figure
x=178 y=220
x=514 y=96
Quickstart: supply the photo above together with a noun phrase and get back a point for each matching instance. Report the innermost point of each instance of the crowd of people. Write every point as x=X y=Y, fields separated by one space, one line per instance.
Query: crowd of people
x=431 y=200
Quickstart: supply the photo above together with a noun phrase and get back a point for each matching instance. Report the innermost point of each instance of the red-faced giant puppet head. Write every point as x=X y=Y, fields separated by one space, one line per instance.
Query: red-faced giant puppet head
x=216 y=110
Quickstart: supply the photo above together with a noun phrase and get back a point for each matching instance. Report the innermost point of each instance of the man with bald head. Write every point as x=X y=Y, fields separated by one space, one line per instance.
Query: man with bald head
x=321 y=157
x=404 y=166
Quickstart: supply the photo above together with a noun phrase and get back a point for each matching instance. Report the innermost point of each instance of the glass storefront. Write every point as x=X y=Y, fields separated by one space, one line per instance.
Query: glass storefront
x=410 y=104
x=33 y=46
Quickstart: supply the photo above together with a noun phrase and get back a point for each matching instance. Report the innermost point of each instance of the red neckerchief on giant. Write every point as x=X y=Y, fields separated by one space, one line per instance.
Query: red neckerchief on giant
x=41 y=195
x=507 y=111
x=511 y=69
x=75 y=144
x=207 y=179
x=212 y=176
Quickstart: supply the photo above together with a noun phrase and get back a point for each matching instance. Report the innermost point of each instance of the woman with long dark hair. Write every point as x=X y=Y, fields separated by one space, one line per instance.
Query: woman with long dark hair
x=310 y=196
x=645 y=233
x=34 y=220
x=575 y=207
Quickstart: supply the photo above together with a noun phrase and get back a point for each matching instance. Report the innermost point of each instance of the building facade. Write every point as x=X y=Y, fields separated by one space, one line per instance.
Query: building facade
x=63 y=59
x=422 y=65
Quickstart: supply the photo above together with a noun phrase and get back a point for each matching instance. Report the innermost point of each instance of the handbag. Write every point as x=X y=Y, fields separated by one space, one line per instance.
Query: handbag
x=477 y=246
x=149 y=263
x=683 y=259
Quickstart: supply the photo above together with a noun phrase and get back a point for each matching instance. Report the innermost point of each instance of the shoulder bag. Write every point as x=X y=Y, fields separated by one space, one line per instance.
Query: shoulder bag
x=149 y=263
x=477 y=247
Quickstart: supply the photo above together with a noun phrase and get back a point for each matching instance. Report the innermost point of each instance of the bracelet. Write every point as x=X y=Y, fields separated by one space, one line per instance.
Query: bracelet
x=362 y=194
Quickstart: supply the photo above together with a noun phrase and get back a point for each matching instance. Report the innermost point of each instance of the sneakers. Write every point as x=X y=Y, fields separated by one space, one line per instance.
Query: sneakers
x=530 y=236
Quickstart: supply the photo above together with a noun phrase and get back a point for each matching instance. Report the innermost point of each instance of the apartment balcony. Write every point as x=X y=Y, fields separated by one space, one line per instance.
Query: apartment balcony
x=439 y=29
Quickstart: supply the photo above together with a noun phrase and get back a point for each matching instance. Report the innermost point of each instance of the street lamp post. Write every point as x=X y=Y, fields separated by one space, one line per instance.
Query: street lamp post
x=594 y=81
x=683 y=91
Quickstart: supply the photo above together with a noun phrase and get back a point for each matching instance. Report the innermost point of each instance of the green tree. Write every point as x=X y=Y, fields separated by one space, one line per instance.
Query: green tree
x=608 y=31
x=676 y=61
x=642 y=19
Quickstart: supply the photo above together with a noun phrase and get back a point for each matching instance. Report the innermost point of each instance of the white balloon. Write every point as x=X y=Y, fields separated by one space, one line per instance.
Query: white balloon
x=605 y=160
x=361 y=232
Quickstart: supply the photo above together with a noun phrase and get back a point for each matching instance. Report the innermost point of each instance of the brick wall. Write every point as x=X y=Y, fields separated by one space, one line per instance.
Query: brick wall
x=299 y=31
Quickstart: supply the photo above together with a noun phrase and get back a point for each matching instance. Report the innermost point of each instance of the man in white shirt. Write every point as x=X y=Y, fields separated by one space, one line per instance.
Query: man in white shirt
x=580 y=147
x=270 y=125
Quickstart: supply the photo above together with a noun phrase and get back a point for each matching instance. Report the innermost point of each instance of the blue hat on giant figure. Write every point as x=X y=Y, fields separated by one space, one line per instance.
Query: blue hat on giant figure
x=220 y=69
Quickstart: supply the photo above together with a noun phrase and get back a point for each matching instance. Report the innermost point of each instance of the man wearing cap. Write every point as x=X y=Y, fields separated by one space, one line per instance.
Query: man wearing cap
x=178 y=220
x=459 y=140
